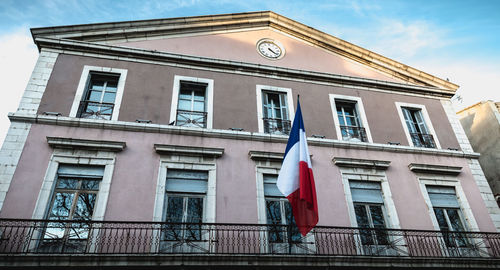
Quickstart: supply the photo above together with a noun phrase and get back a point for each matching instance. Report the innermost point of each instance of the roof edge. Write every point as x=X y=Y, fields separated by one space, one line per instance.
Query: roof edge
x=102 y=32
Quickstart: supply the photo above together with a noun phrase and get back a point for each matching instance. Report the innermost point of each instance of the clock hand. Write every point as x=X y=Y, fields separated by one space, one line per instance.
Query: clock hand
x=272 y=51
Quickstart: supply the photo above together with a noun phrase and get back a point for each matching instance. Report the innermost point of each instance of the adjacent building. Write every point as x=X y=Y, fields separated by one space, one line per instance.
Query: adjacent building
x=481 y=123
x=157 y=143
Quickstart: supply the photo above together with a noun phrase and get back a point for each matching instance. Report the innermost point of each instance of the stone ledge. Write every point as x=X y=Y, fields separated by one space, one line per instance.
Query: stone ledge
x=71 y=143
x=227 y=134
x=188 y=150
x=439 y=169
x=261 y=155
x=361 y=163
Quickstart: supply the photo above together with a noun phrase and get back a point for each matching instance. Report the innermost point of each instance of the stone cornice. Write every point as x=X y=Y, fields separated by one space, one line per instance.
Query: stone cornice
x=262 y=155
x=105 y=32
x=433 y=169
x=361 y=163
x=227 y=134
x=187 y=61
x=72 y=143
x=188 y=150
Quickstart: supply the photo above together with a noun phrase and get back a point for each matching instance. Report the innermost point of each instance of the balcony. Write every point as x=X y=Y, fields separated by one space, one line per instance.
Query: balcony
x=352 y=133
x=277 y=126
x=191 y=119
x=423 y=140
x=31 y=237
x=96 y=110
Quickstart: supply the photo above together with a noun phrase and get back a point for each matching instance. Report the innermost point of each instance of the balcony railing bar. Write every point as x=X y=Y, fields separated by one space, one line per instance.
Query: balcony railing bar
x=423 y=140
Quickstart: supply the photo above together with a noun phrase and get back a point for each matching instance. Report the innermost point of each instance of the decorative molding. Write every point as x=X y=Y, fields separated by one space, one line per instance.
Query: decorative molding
x=434 y=169
x=261 y=155
x=196 y=62
x=188 y=150
x=59 y=142
x=228 y=134
x=125 y=31
x=361 y=163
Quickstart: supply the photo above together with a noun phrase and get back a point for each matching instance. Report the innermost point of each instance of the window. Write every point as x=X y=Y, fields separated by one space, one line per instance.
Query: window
x=74 y=198
x=192 y=100
x=99 y=99
x=349 y=118
x=350 y=124
x=369 y=210
x=184 y=200
x=418 y=130
x=448 y=214
x=417 y=125
x=283 y=233
x=99 y=93
x=191 y=110
x=274 y=109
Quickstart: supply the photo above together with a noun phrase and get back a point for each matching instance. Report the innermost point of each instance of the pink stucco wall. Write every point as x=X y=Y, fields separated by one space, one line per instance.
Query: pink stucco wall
x=133 y=186
x=240 y=46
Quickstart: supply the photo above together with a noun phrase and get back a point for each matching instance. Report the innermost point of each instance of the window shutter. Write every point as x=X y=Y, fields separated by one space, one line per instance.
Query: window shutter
x=443 y=196
x=408 y=120
x=366 y=192
x=186 y=181
x=80 y=170
x=270 y=188
x=284 y=107
x=265 y=105
x=421 y=122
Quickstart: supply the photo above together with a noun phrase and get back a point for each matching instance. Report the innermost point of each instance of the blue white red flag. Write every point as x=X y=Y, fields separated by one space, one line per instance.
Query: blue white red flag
x=296 y=180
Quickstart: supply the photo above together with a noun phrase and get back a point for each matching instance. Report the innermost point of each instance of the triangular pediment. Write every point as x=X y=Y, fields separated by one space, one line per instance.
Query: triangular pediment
x=233 y=37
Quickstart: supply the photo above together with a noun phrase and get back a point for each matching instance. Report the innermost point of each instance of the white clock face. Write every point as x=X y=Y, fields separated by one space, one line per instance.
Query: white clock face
x=270 y=49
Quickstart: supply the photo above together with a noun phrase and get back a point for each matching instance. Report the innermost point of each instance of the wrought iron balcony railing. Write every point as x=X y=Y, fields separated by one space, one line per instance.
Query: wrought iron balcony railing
x=352 y=133
x=191 y=119
x=96 y=110
x=277 y=126
x=104 y=238
x=423 y=140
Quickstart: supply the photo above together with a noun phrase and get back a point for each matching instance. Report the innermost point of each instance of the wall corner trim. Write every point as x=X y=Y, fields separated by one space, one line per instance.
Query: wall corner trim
x=188 y=150
x=361 y=163
x=59 y=142
x=439 y=169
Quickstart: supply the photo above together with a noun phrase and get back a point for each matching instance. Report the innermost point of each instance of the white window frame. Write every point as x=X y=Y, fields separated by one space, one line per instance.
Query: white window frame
x=448 y=181
x=427 y=119
x=186 y=163
x=83 y=84
x=360 y=109
x=359 y=174
x=289 y=99
x=209 y=96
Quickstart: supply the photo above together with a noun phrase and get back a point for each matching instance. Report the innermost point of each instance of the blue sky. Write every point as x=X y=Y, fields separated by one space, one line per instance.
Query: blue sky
x=459 y=40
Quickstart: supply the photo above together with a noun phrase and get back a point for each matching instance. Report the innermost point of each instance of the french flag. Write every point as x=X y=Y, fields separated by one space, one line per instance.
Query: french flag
x=296 y=180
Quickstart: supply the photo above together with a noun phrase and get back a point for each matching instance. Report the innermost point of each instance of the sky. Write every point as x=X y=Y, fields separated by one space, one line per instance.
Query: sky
x=451 y=39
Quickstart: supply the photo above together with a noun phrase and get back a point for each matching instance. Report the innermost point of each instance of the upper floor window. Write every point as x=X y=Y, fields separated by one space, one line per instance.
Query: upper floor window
x=418 y=127
x=99 y=93
x=99 y=98
x=418 y=130
x=349 y=118
x=192 y=109
x=274 y=110
x=192 y=100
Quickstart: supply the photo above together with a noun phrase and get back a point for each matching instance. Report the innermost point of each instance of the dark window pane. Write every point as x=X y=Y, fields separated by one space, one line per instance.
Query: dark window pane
x=273 y=211
x=174 y=214
x=90 y=185
x=194 y=215
x=379 y=224
x=67 y=183
x=61 y=206
x=443 y=225
x=97 y=84
x=361 y=215
x=293 y=234
x=85 y=206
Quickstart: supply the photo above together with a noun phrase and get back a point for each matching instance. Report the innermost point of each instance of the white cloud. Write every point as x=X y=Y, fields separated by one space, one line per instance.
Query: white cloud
x=18 y=56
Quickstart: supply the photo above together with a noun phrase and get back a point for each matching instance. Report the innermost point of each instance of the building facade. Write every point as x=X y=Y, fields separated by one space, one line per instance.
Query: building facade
x=481 y=123
x=157 y=144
